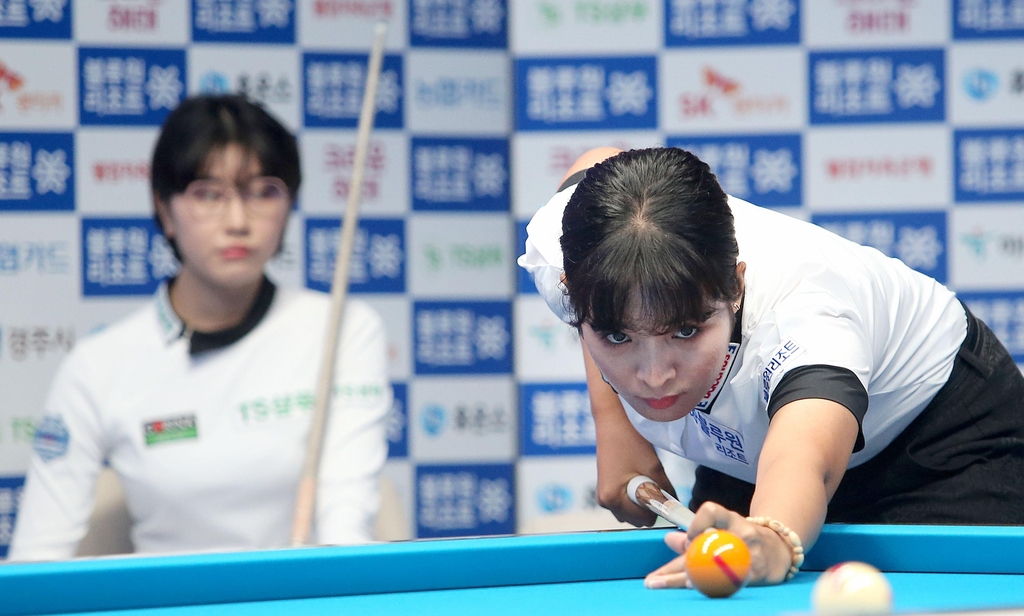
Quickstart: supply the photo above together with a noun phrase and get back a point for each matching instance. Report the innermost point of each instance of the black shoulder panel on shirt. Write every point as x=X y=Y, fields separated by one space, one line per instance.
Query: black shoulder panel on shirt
x=840 y=385
x=572 y=179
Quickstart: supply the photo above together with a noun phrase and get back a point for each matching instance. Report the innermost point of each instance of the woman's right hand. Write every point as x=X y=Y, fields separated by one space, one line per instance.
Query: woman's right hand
x=770 y=555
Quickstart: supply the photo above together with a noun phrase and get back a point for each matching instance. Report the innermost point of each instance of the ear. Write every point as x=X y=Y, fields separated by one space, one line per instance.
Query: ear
x=741 y=269
x=163 y=212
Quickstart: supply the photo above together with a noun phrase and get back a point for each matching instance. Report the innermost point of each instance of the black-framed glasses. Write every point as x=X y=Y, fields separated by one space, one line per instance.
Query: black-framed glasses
x=261 y=196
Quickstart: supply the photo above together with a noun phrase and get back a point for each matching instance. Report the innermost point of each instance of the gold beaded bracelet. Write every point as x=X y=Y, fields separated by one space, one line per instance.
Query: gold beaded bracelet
x=790 y=537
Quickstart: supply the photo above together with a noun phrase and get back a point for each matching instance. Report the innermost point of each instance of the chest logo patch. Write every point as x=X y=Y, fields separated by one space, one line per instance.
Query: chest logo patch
x=723 y=376
x=172 y=429
x=727 y=442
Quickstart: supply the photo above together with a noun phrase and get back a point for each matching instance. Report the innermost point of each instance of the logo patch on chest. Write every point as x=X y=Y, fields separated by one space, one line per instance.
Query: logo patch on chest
x=727 y=441
x=723 y=376
x=171 y=429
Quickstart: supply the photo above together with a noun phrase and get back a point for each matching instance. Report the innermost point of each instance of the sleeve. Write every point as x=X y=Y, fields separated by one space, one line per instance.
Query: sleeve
x=67 y=456
x=355 y=446
x=815 y=345
x=839 y=385
x=543 y=256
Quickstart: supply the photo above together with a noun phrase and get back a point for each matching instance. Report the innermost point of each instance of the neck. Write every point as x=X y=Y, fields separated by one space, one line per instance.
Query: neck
x=208 y=308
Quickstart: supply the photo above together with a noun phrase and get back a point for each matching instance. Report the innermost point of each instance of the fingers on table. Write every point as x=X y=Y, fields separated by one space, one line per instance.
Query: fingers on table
x=669 y=575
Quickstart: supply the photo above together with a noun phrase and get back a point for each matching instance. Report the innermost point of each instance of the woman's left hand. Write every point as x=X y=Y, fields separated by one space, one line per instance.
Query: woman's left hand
x=770 y=555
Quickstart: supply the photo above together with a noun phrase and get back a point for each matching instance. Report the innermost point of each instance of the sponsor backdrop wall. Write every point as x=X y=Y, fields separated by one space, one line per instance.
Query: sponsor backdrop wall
x=896 y=123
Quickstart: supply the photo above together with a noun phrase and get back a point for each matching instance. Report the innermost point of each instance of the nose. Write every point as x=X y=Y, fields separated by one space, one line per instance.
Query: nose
x=656 y=366
x=236 y=214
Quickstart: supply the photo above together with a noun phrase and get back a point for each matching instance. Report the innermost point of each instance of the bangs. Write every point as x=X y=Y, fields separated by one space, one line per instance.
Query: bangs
x=648 y=243
x=227 y=131
x=645 y=284
x=201 y=127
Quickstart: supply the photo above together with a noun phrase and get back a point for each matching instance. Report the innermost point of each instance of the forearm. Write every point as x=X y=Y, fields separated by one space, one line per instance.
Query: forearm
x=622 y=453
x=790 y=491
x=799 y=469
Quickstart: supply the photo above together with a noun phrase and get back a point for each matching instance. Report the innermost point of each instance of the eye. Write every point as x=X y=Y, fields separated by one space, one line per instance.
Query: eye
x=202 y=191
x=267 y=189
x=210 y=194
x=617 y=338
x=686 y=331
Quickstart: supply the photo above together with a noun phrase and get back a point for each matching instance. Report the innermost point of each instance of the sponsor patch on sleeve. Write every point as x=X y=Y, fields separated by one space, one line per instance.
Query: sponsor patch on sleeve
x=171 y=429
x=785 y=351
x=51 y=439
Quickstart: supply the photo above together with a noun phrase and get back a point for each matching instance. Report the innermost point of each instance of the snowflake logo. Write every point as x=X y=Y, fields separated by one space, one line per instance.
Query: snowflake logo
x=773 y=170
x=388 y=92
x=274 y=13
x=919 y=248
x=51 y=172
x=491 y=338
x=487 y=16
x=161 y=258
x=489 y=175
x=48 y=9
x=164 y=87
x=916 y=85
x=771 y=14
x=385 y=256
x=628 y=93
x=493 y=500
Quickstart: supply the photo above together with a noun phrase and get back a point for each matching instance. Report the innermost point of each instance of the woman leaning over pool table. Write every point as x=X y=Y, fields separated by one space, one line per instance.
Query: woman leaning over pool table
x=812 y=379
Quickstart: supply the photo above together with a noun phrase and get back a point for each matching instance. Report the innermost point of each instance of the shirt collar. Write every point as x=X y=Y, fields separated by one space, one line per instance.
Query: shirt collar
x=173 y=328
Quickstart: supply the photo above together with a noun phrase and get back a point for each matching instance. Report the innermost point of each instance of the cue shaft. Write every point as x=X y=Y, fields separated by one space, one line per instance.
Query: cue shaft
x=306 y=499
x=645 y=492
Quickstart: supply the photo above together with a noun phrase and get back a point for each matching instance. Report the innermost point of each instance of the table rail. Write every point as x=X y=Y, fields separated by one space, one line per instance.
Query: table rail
x=117 y=583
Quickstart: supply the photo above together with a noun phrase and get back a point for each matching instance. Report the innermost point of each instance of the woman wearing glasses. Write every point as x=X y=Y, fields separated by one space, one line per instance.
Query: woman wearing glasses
x=201 y=401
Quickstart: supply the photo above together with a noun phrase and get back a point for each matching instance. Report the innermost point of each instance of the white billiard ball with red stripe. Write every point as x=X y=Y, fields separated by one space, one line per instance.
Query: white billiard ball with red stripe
x=851 y=588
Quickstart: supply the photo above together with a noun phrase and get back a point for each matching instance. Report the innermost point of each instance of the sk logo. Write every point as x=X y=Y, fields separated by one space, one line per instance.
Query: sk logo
x=10 y=80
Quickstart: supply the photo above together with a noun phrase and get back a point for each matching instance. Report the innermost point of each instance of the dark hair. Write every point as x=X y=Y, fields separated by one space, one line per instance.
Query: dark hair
x=202 y=125
x=648 y=243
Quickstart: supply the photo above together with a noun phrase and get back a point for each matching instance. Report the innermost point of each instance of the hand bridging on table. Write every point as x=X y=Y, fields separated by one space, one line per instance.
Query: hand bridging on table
x=770 y=555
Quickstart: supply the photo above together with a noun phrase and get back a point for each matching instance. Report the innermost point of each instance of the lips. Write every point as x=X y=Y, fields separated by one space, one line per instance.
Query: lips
x=233 y=253
x=661 y=403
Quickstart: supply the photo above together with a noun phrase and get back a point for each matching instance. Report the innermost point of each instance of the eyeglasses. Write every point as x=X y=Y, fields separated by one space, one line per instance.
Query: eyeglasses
x=261 y=196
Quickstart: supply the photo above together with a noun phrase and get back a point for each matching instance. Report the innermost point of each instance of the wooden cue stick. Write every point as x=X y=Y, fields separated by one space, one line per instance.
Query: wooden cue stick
x=306 y=500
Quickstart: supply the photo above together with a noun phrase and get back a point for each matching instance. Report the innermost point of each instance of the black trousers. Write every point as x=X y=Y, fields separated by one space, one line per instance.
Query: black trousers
x=961 y=461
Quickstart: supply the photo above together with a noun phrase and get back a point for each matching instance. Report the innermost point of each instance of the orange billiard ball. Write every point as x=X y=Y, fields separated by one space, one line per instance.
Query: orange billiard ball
x=718 y=563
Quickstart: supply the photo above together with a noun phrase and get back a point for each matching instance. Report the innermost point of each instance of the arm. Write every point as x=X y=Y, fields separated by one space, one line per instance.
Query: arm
x=355 y=446
x=60 y=488
x=588 y=159
x=621 y=452
x=804 y=457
